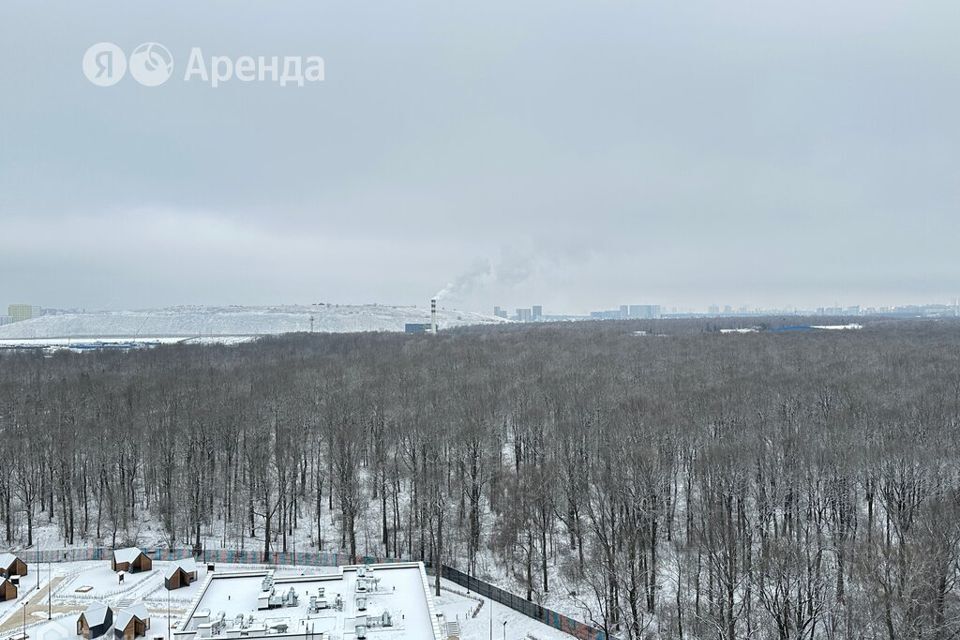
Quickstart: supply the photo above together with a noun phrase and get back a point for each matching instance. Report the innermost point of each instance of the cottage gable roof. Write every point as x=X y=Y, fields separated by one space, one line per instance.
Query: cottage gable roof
x=96 y=614
x=189 y=565
x=126 y=555
x=6 y=559
x=124 y=616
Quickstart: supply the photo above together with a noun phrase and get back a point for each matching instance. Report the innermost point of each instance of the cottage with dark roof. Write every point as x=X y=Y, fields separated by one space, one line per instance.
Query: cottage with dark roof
x=95 y=621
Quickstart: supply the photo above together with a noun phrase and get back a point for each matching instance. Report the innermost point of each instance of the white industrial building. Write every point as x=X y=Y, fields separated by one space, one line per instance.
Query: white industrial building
x=381 y=602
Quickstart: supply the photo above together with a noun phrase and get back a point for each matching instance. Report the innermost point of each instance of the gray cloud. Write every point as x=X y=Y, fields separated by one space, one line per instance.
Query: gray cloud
x=573 y=154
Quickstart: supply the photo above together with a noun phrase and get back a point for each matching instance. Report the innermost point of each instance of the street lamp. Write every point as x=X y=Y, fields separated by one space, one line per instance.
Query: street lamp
x=25 y=603
x=504 y=630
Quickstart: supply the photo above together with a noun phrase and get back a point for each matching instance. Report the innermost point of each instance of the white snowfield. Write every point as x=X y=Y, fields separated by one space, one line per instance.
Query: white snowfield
x=211 y=322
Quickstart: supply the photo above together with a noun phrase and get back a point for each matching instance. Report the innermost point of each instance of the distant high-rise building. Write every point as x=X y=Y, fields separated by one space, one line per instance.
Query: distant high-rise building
x=21 y=312
x=537 y=313
x=524 y=315
x=500 y=312
x=644 y=311
x=624 y=312
x=714 y=310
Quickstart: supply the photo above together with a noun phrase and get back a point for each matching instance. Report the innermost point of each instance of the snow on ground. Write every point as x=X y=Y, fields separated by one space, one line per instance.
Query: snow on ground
x=456 y=605
x=397 y=590
x=76 y=585
x=147 y=533
x=71 y=580
x=84 y=344
x=209 y=322
x=65 y=628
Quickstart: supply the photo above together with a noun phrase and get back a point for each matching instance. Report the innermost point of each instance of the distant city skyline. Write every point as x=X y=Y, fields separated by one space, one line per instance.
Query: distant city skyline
x=15 y=312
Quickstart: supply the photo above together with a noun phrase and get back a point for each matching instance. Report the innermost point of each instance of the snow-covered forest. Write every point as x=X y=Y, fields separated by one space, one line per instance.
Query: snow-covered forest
x=677 y=484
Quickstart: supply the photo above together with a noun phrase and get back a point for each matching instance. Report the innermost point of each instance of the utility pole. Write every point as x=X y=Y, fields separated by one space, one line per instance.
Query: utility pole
x=491 y=619
x=25 y=603
x=50 y=590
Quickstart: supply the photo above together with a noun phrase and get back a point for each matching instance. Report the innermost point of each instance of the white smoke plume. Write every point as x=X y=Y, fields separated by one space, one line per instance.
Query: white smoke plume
x=510 y=270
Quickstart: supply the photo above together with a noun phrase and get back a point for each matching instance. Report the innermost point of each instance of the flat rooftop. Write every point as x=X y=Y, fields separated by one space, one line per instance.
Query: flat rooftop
x=386 y=601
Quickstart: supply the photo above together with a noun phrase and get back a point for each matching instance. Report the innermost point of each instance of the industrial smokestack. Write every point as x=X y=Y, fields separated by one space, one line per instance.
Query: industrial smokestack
x=433 y=315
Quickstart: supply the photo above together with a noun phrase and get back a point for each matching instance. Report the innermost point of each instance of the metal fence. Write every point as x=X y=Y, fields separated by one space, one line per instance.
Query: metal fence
x=227 y=556
x=527 y=608
x=330 y=559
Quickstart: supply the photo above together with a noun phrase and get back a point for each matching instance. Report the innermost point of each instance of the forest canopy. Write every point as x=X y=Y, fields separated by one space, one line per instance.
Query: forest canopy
x=665 y=476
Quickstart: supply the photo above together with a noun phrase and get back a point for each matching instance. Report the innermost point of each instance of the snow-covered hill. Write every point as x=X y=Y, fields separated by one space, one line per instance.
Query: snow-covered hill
x=234 y=321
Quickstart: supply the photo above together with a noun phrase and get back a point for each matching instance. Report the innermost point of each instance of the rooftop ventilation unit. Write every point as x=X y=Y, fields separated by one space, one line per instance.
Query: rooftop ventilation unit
x=267 y=584
x=219 y=623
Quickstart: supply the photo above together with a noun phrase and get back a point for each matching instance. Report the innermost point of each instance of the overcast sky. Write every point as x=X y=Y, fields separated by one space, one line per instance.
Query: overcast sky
x=573 y=154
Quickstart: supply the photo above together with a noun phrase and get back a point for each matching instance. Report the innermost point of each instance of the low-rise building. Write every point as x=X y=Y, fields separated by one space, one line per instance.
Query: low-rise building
x=385 y=601
x=131 y=622
x=95 y=622
x=8 y=590
x=418 y=327
x=182 y=573
x=131 y=560
x=12 y=565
